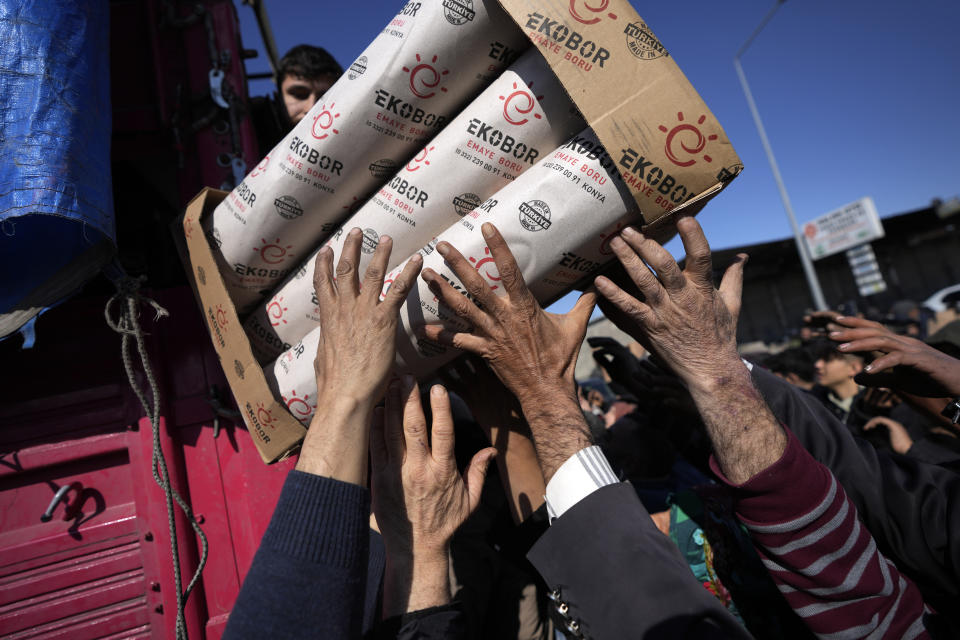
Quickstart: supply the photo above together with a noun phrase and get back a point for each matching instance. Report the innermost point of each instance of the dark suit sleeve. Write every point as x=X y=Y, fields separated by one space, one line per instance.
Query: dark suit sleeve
x=620 y=577
x=911 y=508
x=310 y=572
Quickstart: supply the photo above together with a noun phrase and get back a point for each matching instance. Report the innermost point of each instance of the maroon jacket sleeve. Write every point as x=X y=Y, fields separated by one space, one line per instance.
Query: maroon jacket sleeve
x=823 y=560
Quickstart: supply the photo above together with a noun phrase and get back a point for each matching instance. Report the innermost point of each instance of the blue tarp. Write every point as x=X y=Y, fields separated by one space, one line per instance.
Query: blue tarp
x=56 y=205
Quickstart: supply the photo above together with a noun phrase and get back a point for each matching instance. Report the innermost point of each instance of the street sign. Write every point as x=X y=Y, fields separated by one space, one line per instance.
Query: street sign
x=849 y=226
x=866 y=270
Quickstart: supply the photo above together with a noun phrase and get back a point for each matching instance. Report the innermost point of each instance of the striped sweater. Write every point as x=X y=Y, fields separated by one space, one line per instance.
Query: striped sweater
x=823 y=560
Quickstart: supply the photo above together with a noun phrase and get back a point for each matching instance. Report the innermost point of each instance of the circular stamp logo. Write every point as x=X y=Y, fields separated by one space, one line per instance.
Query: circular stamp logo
x=535 y=215
x=642 y=43
x=383 y=168
x=288 y=207
x=465 y=203
x=358 y=68
x=458 y=12
x=370 y=241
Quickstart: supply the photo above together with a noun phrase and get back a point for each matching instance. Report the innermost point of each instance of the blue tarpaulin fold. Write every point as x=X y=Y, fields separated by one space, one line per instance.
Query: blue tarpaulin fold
x=56 y=206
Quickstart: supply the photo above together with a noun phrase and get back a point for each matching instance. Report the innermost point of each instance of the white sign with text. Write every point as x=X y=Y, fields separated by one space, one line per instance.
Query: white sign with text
x=849 y=226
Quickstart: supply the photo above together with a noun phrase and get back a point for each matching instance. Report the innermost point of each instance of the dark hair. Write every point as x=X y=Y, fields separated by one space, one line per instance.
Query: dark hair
x=309 y=62
x=823 y=349
x=827 y=350
x=795 y=360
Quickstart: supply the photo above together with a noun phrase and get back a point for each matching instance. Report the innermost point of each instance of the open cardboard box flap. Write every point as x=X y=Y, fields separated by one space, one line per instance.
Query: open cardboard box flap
x=670 y=150
x=275 y=432
x=667 y=145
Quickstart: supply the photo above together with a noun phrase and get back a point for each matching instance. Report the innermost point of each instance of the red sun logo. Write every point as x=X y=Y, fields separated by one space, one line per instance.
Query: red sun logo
x=273 y=252
x=299 y=407
x=275 y=311
x=187 y=228
x=424 y=78
x=388 y=281
x=264 y=417
x=490 y=276
x=584 y=17
x=260 y=168
x=699 y=141
x=420 y=159
x=323 y=122
x=518 y=104
x=221 y=317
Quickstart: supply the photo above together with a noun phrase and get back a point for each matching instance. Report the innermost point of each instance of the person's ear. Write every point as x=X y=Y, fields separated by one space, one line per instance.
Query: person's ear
x=856 y=365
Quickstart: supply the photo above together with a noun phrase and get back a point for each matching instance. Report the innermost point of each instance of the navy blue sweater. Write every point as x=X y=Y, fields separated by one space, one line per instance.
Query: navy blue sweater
x=318 y=569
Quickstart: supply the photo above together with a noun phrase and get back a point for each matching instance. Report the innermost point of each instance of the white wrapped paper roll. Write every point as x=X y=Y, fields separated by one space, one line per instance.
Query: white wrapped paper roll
x=506 y=130
x=291 y=377
x=558 y=219
x=418 y=72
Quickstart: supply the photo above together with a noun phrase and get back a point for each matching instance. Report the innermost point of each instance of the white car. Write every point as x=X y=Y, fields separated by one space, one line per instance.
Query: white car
x=944 y=299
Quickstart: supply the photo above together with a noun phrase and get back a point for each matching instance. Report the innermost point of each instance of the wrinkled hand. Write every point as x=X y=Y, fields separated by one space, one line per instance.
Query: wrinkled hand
x=532 y=352
x=905 y=363
x=900 y=440
x=684 y=320
x=419 y=497
x=356 y=350
x=358 y=330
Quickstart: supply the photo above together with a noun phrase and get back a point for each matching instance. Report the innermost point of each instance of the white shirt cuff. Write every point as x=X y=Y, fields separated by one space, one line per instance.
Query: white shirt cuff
x=583 y=473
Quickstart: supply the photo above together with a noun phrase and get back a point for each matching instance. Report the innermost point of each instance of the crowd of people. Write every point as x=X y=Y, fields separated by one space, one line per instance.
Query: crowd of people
x=712 y=496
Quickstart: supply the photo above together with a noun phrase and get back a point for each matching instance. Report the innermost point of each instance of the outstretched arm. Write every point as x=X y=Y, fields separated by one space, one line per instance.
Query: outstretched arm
x=824 y=561
x=600 y=532
x=310 y=569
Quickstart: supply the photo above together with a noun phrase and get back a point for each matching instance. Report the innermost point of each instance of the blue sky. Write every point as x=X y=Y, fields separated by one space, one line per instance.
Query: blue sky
x=859 y=98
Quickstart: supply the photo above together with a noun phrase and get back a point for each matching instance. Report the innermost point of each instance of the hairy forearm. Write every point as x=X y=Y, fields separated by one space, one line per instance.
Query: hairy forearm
x=415 y=583
x=558 y=427
x=337 y=440
x=746 y=437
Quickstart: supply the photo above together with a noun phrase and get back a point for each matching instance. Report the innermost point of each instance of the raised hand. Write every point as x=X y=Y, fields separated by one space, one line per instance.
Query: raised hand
x=904 y=363
x=533 y=352
x=900 y=440
x=684 y=320
x=356 y=350
x=691 y=327
x=419 y=497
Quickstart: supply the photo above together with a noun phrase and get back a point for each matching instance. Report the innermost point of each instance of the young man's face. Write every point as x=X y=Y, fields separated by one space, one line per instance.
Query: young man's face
x=835 y=371
x=300 y=94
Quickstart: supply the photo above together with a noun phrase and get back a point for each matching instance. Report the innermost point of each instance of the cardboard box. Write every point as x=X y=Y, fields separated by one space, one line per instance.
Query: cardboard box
x=670 y=150
x=276 y=433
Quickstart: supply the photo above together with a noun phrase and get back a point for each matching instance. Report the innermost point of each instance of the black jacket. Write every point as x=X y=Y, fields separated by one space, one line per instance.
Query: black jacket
x=615 y=576
x=911 y=508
